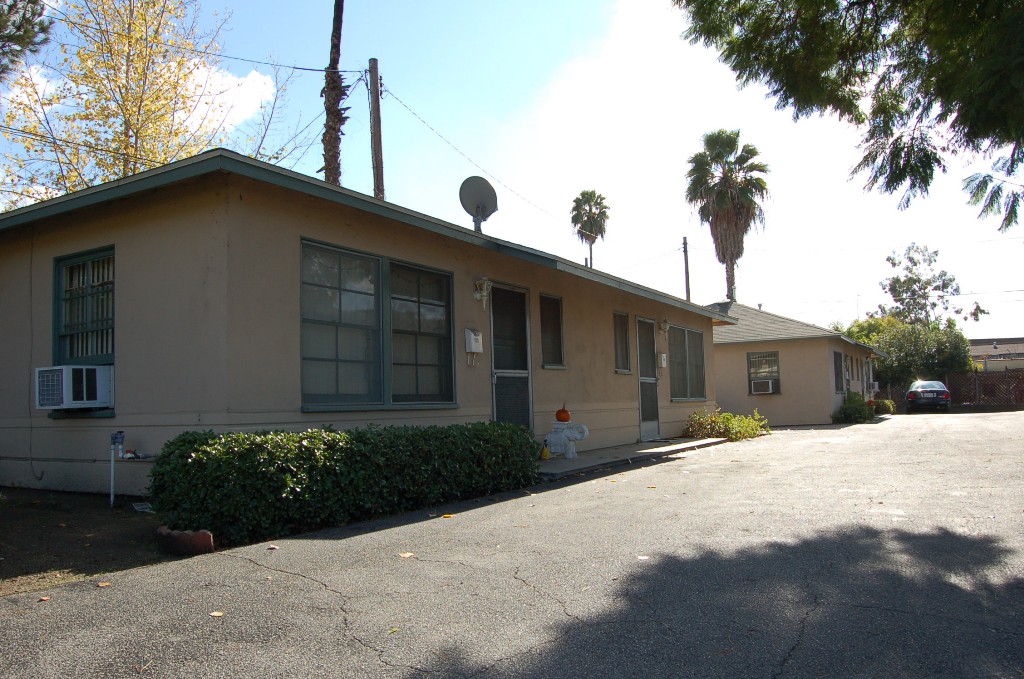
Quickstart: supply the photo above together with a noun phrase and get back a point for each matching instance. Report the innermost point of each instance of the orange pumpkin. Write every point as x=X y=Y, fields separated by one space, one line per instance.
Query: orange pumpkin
x=563 y=415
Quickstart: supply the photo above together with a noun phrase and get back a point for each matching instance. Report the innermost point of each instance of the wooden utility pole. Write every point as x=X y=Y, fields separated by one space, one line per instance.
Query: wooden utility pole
x=686 y=268
x=376 y=146
x=333 y=94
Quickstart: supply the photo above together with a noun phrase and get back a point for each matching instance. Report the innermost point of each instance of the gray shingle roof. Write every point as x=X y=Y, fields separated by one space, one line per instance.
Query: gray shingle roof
x=761 y=326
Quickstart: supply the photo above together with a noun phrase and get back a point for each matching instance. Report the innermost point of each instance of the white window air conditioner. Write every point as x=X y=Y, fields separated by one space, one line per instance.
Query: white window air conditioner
x=73 y=386
x=761 y=386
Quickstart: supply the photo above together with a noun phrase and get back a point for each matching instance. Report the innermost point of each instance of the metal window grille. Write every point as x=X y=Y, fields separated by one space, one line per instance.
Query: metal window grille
x=85 y=322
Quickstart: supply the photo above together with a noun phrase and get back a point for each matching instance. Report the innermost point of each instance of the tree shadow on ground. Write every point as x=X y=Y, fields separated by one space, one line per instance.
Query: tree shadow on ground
x=856 y=603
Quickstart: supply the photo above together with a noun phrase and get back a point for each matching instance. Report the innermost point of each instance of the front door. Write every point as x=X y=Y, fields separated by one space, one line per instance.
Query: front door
x=511 y=356
x=647 y=367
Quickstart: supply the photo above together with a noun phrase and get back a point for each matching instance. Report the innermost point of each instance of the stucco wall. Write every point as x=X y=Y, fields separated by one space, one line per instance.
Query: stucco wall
x=207 y=328
x=808 y=395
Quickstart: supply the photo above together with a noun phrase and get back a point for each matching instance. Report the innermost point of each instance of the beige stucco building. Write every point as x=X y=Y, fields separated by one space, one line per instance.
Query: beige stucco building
x=793 y=373
x=223 y=293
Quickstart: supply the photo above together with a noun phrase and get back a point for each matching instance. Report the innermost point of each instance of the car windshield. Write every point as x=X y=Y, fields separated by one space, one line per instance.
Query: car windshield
x=927 y=385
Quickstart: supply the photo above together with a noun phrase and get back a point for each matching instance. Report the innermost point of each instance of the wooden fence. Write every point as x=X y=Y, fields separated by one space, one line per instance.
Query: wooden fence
x=1004 y=388
x=974 y=390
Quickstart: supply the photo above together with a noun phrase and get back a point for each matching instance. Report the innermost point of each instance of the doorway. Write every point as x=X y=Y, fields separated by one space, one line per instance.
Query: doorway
x=510 y=351
x=647 y=368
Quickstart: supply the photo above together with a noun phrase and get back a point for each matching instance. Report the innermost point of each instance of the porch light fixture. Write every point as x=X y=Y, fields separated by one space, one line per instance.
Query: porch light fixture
x=664 y=325
x=483 y=291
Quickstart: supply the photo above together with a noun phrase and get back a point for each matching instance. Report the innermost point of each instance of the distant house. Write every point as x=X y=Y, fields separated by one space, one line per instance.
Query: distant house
x=223 y=293
x=792 y=372
x=997 y=354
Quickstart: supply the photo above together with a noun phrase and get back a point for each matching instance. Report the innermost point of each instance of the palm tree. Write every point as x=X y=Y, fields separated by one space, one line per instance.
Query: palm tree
x=725 y=186
x=589 y=217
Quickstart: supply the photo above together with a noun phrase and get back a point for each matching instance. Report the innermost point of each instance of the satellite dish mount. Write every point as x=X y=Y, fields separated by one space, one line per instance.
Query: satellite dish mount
x=478 y=199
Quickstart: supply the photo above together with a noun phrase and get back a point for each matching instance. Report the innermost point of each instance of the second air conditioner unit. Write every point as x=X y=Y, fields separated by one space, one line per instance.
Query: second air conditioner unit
x=761 y=386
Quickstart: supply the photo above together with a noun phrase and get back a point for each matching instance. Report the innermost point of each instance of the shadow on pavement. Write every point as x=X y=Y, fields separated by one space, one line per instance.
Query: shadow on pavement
x=857 y=603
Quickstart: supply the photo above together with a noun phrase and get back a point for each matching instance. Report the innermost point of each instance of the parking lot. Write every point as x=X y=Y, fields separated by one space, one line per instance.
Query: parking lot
x=892 y=549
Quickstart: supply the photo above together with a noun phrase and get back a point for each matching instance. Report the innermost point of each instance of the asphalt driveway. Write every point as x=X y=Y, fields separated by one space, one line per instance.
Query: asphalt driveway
x=893 y=549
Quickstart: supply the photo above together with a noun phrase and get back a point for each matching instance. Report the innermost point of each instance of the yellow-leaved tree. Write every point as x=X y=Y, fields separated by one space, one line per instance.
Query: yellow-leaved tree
x=135 y=84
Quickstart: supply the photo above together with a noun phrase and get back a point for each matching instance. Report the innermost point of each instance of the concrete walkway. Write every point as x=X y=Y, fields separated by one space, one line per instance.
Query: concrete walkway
x=603 y=458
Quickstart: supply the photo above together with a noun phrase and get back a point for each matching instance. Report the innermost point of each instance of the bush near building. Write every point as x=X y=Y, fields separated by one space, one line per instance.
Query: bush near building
x=247 y=487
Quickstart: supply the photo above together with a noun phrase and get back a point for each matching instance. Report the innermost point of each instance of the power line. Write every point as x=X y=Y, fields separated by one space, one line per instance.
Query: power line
x=59 y=15
x=461 y=153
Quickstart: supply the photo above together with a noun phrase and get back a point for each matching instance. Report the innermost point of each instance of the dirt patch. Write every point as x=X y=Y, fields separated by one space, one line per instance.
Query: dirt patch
x=49 y=538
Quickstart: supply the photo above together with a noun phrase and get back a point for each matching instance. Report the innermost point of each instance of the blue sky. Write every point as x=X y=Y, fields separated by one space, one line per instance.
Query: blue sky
x=546 y=99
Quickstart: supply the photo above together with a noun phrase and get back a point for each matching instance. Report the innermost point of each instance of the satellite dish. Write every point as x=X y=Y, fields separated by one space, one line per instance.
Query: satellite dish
x=478 y=199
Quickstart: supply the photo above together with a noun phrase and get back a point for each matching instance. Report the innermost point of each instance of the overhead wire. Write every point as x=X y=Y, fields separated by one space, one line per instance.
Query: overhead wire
x=59 y=15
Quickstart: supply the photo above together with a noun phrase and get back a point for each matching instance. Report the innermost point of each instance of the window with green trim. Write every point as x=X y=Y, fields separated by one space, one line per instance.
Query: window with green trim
x=84 y=309
x=421 y=340
x=354 y=354
x=763 y=372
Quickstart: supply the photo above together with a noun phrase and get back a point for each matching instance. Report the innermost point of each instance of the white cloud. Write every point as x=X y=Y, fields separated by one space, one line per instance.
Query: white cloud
x=230 y=100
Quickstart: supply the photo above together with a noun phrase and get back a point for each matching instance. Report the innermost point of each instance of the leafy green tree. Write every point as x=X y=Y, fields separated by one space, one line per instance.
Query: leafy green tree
x=919 y=352
x=921 y=294
x=589 y=218
x=23 y=30
x=724 y=183
x=868 y=330
x=926 y=80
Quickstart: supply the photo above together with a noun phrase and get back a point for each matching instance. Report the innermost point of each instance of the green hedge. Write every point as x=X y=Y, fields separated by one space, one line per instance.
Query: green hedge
x=251 y=487
x=705 y=425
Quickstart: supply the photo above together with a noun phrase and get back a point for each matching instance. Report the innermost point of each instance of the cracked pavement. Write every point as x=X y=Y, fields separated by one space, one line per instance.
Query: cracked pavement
x=888 y=549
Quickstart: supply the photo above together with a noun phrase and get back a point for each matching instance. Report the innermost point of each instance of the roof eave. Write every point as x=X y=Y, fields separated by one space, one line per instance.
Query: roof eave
x=222 y=160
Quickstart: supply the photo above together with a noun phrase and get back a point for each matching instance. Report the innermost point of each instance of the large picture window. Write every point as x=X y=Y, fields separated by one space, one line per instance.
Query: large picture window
x=686 y=363
x=763 y=372
x=84 y=309
x=353 y=354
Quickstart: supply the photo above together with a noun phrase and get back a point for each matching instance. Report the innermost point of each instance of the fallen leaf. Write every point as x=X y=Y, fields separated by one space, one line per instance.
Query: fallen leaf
x=103 y=584
x=447 y=516
x=393 y=630
x=271 y=547
x=652 y=486
x=406 y=555
x=216 y=614
x=44 y=598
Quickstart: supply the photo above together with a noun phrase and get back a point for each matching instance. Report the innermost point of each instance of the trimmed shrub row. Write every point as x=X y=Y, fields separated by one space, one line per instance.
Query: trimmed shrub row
x=251 y=487
x=704 y=424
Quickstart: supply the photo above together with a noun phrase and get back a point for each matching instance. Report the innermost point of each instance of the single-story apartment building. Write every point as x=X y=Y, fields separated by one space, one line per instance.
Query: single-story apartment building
x=793 y=373
x=224 y=293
